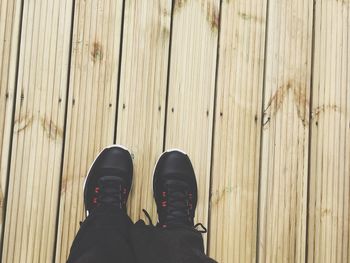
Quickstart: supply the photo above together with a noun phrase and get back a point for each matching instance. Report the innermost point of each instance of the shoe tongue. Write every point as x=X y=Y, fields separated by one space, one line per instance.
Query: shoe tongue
x=110 y=190
x=110 y=171
x=110 y=178
x=176 y=185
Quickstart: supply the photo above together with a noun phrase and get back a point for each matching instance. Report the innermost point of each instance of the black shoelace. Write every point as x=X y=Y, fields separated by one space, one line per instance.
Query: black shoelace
x=175 y=206
x=110 y=192
x=195 y=227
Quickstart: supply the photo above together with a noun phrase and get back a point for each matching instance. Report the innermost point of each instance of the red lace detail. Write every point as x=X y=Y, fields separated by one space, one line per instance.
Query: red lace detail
x=164 y=202
x=190 y=201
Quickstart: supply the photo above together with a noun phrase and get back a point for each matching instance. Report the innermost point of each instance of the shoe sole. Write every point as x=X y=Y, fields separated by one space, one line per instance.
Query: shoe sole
x=108 y=147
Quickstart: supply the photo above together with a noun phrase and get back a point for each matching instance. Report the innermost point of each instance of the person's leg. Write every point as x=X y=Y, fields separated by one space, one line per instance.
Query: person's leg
x=104 y=235
x=175 y=238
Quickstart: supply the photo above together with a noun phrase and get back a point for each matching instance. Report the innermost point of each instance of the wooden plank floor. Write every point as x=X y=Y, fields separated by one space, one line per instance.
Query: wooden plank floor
x=256 y=91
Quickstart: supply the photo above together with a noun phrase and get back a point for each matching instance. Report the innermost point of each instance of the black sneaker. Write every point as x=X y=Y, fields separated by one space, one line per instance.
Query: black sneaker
x=108 y=181
x=175 y=189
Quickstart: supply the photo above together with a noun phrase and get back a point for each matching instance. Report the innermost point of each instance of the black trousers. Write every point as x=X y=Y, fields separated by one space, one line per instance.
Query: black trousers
x=107 y=236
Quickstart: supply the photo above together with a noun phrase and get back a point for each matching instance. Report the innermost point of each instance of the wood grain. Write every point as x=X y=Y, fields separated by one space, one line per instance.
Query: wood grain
x=142 y=97
x=235 y=171
x=38 y=132
x=91 y=106
x=257 y=92
x=329 y=213
x=10 y=14
x=191 y=89
x=285 y=137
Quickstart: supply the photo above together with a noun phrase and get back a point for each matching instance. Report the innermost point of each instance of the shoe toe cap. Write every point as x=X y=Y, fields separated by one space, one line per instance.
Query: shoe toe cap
x=175 y=162
x=115 y=157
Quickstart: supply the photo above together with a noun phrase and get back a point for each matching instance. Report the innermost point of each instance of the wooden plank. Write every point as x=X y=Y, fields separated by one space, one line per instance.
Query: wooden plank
x=235 y=177
x=10 y=15
x=191 y=89
x=285 y=141
x=329 y=215
x=142 y=95
x=91 y=106
x=38 y=132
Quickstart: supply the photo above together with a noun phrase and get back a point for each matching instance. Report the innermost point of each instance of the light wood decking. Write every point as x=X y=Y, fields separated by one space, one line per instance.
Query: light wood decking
x=256 y=91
